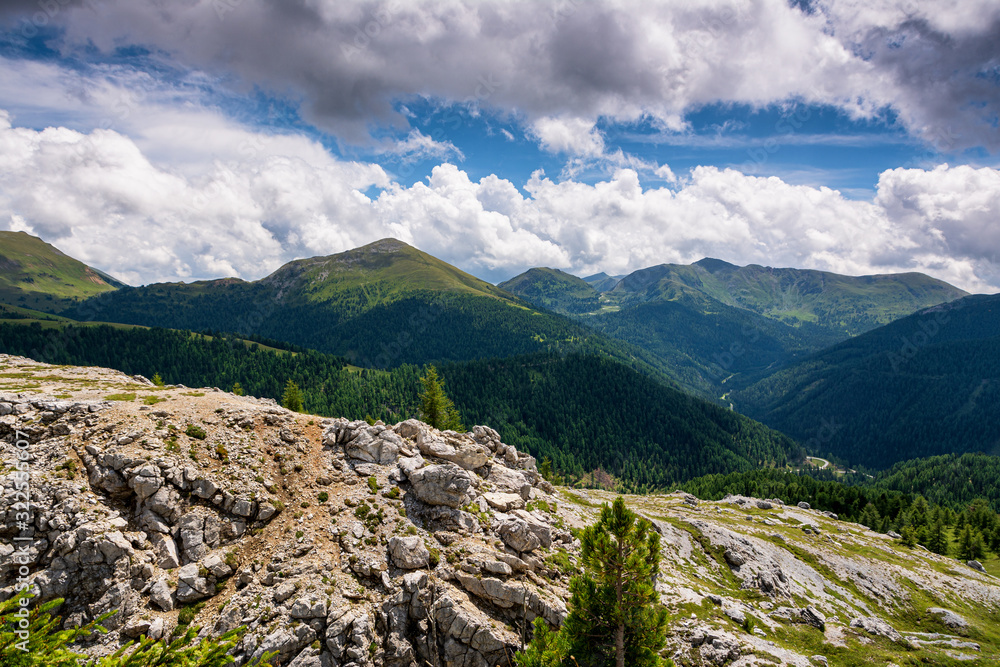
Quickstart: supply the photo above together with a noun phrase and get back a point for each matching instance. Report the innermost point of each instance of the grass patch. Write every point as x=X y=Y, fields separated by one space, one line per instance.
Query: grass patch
x=120 y=397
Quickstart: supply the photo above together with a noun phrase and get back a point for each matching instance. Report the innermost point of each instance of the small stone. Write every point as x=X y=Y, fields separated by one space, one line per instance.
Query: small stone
x=734 y=558
x=283 y=592
x=160 y=595
x=737 y=616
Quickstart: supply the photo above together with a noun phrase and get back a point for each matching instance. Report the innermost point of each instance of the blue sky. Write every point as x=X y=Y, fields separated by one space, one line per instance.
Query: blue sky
x=218 y=137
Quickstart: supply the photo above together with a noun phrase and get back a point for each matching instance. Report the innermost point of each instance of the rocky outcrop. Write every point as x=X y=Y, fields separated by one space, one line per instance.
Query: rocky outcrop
x=340 y=543
x=877 y=627
x=443 y=484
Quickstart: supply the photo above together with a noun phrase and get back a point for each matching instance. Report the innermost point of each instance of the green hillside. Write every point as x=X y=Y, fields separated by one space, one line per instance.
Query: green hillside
x=35 y=275
x=583 y=412
x=554 y=290
x=380 y=306
x=377 y=274
x=841 y=305
x=924 y=385
x=952 y=480
x=602 y=282
x=709 y=348
x=715 y=327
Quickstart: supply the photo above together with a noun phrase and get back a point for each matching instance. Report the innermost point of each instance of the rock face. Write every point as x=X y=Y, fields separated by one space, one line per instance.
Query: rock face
x=443 y=484
x=404 y=546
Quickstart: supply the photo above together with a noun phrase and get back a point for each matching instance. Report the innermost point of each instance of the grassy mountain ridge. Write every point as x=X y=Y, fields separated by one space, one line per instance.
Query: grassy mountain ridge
x=716 y=327
x=381 y=305
x=845 y=305
x=924 y=385
x=376 y=274
x=36 y=275
x=553 y=289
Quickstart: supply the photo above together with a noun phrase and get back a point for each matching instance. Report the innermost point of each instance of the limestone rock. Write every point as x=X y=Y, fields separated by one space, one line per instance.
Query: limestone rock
x=734 y=558
x=161 y=595
x=877 y=627
x=166 y=550
x=408 y=553
x=191 y=585
x=504 y=502
x=541 y=529
x=949 y=618
x=444 y=484
x=458 y=449
x=812 y=616
x=308 y=608
x=518 y=536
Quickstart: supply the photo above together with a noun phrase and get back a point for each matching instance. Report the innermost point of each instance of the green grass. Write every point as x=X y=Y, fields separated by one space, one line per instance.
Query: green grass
x=37 y=276
x=120 y=397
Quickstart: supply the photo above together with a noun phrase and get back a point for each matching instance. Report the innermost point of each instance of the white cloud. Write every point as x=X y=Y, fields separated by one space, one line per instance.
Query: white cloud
x=419 y=146
x=575 y=136
x=934 y=64
x=101 y=198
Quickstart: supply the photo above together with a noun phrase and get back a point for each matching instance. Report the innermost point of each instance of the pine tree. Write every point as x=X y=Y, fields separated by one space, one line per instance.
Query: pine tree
x=970 y=544
x=436 y=408
x=615 y=614
x=870 y=517
x=238 y=389
x=292 y=398
x=157 y=380
x=937 y=540
x=909 y=539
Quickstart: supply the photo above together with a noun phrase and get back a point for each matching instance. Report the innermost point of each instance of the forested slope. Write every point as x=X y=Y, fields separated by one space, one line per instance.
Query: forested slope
x=583 y=412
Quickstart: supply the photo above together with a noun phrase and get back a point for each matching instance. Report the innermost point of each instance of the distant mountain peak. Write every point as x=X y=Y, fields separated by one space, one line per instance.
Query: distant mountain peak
x=385 y=245
x=713 y=265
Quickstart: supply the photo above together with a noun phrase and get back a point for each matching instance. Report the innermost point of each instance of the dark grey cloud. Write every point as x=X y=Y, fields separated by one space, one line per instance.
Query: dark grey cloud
x=937 y=67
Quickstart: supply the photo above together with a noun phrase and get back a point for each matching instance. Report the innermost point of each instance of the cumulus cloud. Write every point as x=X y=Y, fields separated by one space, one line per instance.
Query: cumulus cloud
x=419 y=146
x=934 y=64
x=575 y=136
x=265 y=200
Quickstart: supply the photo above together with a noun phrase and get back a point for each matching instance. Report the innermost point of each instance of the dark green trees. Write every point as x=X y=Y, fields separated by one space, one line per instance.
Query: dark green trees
x=436 y=408
x=292 y=398
x=40 y=643
x=615 y=616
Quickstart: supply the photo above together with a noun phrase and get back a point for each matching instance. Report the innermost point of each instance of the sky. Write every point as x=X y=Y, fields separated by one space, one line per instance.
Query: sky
x=199 y=139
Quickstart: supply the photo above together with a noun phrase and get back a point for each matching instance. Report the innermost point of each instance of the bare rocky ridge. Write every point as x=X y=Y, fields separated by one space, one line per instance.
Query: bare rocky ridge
x=339 y=543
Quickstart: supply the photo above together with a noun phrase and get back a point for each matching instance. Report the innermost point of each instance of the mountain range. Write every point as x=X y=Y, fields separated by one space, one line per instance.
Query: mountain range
x=788 y=347
x=713 y=322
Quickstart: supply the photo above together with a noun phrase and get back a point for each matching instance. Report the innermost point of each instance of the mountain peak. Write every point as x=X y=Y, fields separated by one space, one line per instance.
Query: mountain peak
x=713 y=265
x=385 y=245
